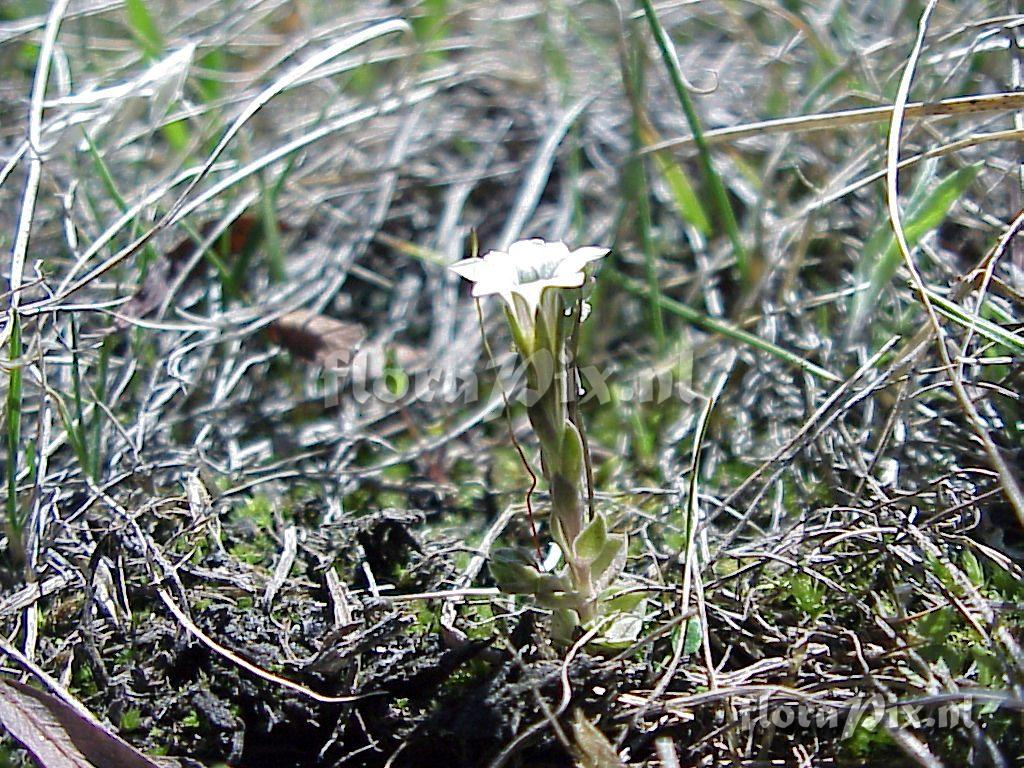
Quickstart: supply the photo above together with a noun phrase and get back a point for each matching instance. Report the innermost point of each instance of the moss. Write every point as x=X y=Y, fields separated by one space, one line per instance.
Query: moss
x=252 y=525
x=131 y=720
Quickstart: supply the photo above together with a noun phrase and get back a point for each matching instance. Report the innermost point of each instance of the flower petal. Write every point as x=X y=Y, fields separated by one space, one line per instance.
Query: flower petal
x=472 y=269
x=527 y=269
x=496 y=257
x=565 y=280
x=590 y=253
x=492 y=272
x=527 y=249
x=579 y=258
x=488 y=288
x=536 y=259
x=531 y=293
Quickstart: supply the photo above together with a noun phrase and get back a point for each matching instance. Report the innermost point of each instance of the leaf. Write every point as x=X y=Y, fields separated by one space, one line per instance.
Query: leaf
x=563 y=626
x=620 y=600
x=556 y=587
x=571 y=460
x=608 y=566
x=144 y=28
x=592 y=747
x=687 y=203
x=882 y=257
x=513 y=572
x=973 y=568
x=713 y=325
x=57 y=736
x=693 y=637
x=684 y=196
x=591 y=540
x=566 y=600
x=13 y=424
x=716 y=187
x=623 y=630
x=318 y=338
x=988 y=329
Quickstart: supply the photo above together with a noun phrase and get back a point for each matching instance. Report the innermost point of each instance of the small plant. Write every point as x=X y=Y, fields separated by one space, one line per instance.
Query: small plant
x=540 y=283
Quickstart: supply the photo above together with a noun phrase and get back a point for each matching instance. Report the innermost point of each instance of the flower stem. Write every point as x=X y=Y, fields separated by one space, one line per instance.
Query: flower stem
x=561 y=445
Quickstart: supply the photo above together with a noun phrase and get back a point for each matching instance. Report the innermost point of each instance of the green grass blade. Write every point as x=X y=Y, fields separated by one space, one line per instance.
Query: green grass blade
x=149 y=254
x=147 y=36
x=712 y=325
x=103 y=367
x=637 y=190
x=104 y=172
x=143 y=28
x=719 y=196
x=272 y=245
x=991 y=331
x=73 y=433
x=684 y=197
x=14 y=393
x=881 y=257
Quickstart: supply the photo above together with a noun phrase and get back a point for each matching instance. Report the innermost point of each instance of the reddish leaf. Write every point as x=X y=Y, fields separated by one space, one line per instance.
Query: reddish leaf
x=317 y=338
x=59 y=737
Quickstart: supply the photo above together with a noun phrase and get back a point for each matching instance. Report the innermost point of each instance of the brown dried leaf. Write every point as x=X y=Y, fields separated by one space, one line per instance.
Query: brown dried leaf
x=592 y=747
x=317 y=338
x=59 y=737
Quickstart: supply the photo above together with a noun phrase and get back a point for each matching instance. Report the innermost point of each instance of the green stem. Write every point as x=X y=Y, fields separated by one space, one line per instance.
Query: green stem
x=723 y=328
x=14 y=520
x=711 y=176
x=561 y=444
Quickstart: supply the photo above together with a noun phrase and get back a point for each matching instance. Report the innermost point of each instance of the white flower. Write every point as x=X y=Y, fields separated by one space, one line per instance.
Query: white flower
x=526 y=270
